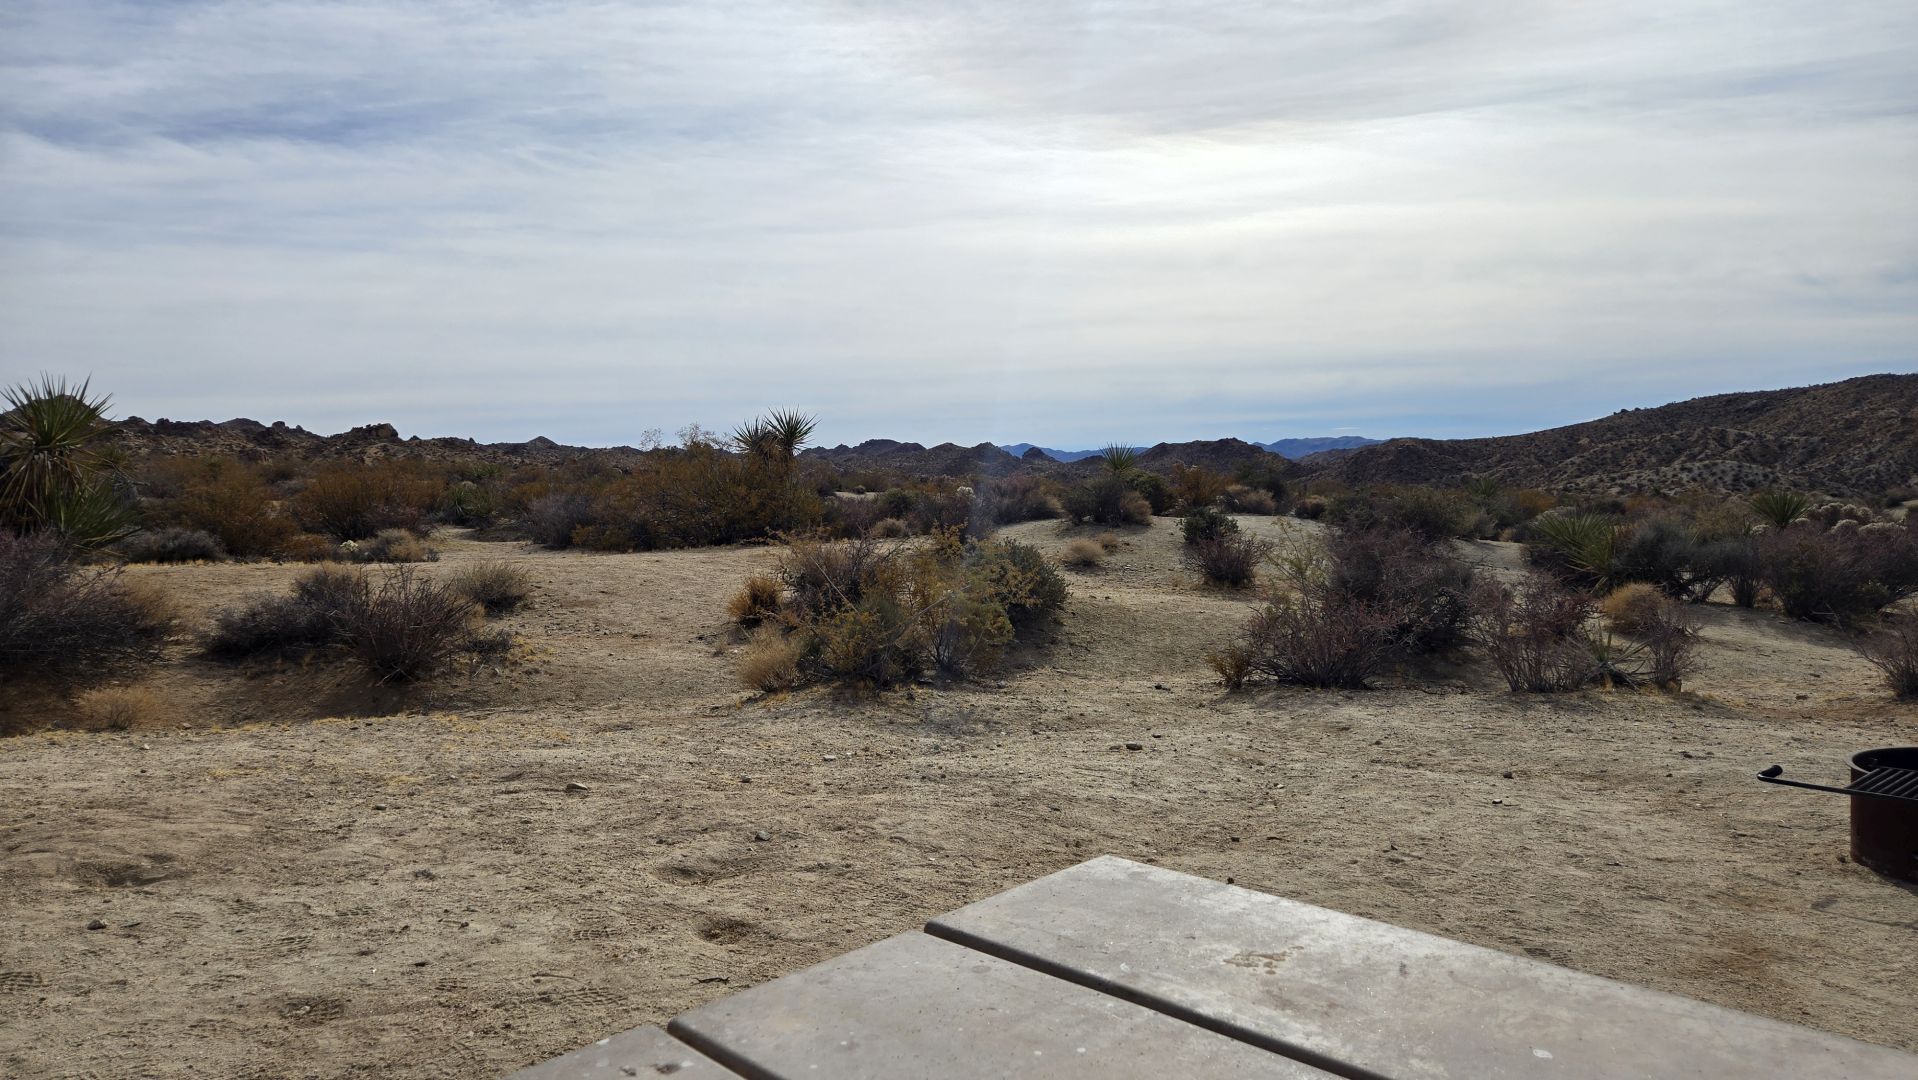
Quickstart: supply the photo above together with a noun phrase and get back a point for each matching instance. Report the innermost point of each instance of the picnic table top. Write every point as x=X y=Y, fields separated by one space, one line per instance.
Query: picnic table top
x=1117 y=969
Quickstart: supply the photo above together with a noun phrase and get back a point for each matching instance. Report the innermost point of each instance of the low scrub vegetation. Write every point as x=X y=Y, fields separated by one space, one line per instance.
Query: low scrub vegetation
x=57 y=616
x=402 y=627
x=171 y=545
x=857 y=611
x=497 y=586
x=1084 y=554
x=1106 y=499
x=1206 y=523
x=1893 y=648
x=1231 y=560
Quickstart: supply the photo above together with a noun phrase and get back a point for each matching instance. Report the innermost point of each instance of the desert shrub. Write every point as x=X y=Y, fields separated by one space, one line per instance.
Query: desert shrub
x=308 y=547
x=1421 y=587
x=406 y=627
x=171 y=546
x=1428 y=513
x=770 y=661
x=233 y=501
x=1206 y=523
x=1633 y=608
x=470 y=503
x=119 y=708
x=1780 y=508
x=1536 y=636
x=1893 y=649
x=1660 y=552
x=1231 y=560
x=1246 y=500
x=311 y=617
x=1838 y=575
x=1194 y=486
x=389 y=546
x=1109 y=542
x=553 y=518
x=860 y=613
x=349 y=500
x=1265 y=476
x=1309 y=639
x=1015 y=497
x=1734 y=562
x=1106 y=500
x=1153 y=488
x=1310 y=508
x=497 y=586
x=756 y=600
x=1671 y=645
x=1083 y=553
x=889 y=529
x=1899 y=496
x=56 y=615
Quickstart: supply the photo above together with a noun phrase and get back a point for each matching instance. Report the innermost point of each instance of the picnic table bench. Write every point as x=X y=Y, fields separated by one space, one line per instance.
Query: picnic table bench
x=1115 y=969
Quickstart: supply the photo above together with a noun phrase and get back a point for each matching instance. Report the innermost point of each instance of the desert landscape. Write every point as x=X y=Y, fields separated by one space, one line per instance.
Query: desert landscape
x=283 y=868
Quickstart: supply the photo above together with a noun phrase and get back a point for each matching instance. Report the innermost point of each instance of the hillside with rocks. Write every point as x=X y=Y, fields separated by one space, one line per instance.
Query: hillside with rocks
x=251 y=440
x=1854 y=438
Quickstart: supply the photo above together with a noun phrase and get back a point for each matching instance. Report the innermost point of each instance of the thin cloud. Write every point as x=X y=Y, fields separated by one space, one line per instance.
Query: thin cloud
x=995 y=221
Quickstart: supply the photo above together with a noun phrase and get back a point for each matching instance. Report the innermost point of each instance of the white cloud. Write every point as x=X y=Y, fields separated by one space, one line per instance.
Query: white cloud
x=1064 y=223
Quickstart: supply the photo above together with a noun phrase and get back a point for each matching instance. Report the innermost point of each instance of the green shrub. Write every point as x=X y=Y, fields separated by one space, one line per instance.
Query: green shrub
x=1576 y=548
x=1206 y=523
x=1106 y=500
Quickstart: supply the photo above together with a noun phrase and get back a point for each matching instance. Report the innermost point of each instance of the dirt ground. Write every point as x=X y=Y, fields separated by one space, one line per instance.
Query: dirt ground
x=302 y=877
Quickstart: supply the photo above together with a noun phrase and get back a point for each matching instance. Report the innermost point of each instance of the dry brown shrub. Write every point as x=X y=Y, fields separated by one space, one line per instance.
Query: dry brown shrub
x=120 y=708
x=1633 y=609
x=1084 y=553
x=1109 y=541
x=308 y=547
x=497 y=586
x=770 y=661
x=756 y=600
x=889 y=529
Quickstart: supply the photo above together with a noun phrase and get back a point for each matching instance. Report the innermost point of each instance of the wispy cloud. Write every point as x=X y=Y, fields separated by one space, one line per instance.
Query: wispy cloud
x=1069 y=223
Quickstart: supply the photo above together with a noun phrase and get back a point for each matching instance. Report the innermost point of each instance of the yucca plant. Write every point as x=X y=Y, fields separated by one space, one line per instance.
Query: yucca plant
x=777 y=436
x=1120 y=459
x=1780 y=508
x=1588 y=544
x=54 y=473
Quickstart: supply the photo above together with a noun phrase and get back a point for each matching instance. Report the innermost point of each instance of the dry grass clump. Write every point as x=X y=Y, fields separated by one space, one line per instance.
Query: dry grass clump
x=390 y=546
x=1634 y=608
x=756 y=601
x=890 y=528
x=308 y=547
x=1084 y=554
x=120 y=708
x=1241 y=499
x=770 y=661
x=1893 y=649
x=1109 y=541
x=497 y=586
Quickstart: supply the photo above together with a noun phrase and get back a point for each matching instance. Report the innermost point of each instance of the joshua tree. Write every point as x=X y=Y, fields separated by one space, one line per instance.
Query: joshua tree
x=53 y=471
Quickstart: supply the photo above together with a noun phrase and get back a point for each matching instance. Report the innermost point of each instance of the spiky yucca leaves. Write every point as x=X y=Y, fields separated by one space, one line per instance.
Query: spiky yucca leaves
x=1780 y=508
x=54 y=474
x=1120 y=459
x=1588 y=544
x=777 y=436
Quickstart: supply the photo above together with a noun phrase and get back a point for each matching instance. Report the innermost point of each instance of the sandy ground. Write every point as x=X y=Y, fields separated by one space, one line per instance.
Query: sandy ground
x=300 y=877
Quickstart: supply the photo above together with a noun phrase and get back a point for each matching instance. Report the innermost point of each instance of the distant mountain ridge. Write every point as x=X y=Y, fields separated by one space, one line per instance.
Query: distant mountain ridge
x=1858 y=437
x=1292 y=449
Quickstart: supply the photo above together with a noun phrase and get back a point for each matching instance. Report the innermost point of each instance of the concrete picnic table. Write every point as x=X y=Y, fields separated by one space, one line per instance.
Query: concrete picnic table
x=1115 y=969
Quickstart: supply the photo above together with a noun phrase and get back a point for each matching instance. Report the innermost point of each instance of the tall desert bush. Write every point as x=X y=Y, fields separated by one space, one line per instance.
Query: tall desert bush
x=56 y=615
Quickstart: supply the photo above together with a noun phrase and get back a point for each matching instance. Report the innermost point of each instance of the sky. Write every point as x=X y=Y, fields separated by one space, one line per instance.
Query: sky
x=1070 y=223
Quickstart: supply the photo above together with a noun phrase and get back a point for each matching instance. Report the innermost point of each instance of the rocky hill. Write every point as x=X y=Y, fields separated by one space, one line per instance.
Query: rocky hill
x=254 y=441
x=1856 y=438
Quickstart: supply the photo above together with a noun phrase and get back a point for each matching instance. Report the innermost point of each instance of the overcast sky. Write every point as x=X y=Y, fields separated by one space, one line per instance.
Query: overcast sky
x=1071 y=223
